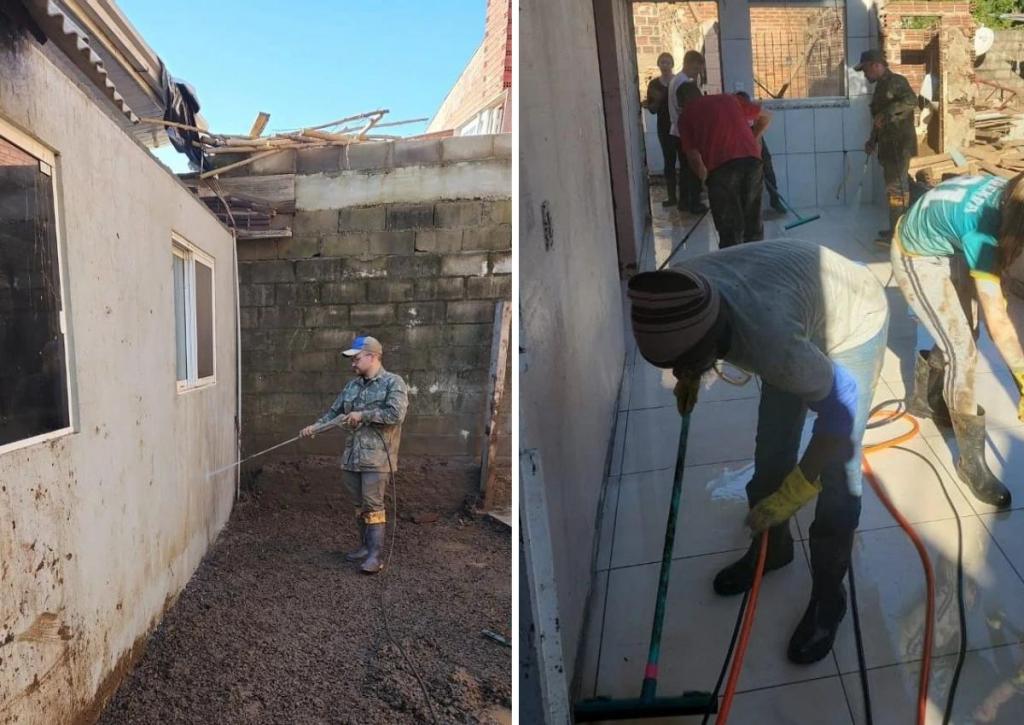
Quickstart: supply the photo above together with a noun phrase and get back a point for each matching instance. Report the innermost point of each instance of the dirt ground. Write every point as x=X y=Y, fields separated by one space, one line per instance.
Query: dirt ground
x=276 y=627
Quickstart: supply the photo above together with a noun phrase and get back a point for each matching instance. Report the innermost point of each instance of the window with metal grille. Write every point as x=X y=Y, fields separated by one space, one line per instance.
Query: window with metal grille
x=798 y=49
x=33 y=356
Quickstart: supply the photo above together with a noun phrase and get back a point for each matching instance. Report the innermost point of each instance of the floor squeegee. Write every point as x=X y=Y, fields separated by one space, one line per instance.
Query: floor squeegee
x=800 y=220
x=648 y=704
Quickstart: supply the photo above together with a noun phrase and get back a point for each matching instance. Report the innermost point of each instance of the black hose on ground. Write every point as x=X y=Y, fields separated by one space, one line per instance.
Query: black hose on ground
x=383 y=591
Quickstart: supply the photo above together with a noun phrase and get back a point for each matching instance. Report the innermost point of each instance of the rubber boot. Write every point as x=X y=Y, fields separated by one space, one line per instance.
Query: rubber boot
x=972 y=468
x=739 y=576
x=375 y=543
x=816 y=632
x=927 y=400
x=362 y=552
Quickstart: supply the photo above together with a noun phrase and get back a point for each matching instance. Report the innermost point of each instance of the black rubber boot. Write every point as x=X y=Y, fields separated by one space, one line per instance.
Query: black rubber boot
x=362 y=552
x=739 y=576
x=816 y=632
x=972 y=468
x=375 y=543
x=927 y=400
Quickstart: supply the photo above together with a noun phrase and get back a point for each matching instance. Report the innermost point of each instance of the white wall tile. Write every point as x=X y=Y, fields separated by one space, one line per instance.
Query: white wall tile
x=776 y=133
x=856 y=123
x=828 y=176
x=800 y=130
x=737 y=65
x=828 y=129
x=779 y=163
x=858 y=193
x=802 y=189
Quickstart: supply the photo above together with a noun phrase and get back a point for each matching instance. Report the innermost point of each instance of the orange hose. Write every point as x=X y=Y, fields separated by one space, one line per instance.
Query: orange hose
x=748 y=623
x=929 y=629
x=926 y=564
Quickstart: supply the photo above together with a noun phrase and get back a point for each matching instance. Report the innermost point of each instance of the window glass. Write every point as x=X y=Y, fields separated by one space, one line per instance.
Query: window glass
x=204 y=320
x=33 y=380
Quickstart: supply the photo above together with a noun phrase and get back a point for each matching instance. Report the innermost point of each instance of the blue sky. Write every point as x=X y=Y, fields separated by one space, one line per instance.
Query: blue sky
x=308 y=62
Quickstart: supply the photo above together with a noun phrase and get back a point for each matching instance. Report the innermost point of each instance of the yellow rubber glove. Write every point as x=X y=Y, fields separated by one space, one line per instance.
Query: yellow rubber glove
x=773 y=510
x=686 y=394
x=1018 y=375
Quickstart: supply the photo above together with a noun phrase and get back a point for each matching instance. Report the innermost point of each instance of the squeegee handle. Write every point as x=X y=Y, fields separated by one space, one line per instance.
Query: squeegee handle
x=654 y=652
x=771 y=188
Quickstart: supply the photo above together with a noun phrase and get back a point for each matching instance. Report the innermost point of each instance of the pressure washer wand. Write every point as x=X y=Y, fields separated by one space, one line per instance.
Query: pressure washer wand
x=329 y=424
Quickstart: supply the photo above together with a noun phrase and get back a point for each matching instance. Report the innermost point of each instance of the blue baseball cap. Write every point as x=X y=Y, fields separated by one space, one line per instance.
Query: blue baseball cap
x=364 y=343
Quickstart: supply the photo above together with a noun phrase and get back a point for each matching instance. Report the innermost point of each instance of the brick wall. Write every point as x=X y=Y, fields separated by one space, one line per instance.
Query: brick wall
x=801 y=46
x=420 y=270
x=911 y=51
x=487 y=74
x=673 y=28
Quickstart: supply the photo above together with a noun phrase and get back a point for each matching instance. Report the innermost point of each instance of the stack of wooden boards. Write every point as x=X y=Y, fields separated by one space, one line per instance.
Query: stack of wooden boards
x=990 y=126
x=1004 y=158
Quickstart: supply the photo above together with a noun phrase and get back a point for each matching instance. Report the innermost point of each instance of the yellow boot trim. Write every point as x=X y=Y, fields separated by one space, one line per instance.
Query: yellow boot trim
x=375 y=517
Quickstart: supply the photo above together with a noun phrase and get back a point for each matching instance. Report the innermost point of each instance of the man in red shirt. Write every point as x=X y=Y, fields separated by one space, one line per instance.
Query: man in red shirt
x=720 y=137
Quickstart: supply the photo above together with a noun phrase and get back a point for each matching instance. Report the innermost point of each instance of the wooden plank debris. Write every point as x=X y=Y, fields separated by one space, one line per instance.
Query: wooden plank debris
x=262 y=118
x=1004 y=158
x=501 y=339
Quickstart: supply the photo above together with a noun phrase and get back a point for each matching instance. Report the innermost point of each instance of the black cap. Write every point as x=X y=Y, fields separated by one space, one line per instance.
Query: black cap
x=870 y=56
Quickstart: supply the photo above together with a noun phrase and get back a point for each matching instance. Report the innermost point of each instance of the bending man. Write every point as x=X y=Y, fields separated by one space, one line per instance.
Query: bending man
x=975 y=224
x=813 y=325
x=372 y=406
x=720 y=138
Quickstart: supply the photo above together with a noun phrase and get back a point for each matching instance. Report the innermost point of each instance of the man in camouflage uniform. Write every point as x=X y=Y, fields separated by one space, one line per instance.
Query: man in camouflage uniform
x=372 y=407
x=892 y=132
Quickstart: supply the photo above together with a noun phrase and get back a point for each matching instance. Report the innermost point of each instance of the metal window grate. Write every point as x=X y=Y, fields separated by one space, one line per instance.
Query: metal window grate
x=798 y=52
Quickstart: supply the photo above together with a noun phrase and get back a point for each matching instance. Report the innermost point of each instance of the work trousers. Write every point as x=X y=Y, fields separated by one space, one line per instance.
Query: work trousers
x=367 y=491
x=734 y=193
x=780 y=423
x=685 y=181
x=942 y=296
x=670 y=153
x=896 y=172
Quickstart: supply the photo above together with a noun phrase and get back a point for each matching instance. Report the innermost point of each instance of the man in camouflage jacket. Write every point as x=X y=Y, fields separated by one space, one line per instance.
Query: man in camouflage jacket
x=892 y=132
x=372 y=407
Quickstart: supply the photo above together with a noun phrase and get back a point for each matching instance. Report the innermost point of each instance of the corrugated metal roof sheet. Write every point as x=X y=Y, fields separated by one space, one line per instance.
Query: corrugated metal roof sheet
x=69 y=37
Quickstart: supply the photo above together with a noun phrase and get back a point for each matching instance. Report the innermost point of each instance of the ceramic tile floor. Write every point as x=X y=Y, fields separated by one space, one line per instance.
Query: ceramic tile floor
x=890 y=583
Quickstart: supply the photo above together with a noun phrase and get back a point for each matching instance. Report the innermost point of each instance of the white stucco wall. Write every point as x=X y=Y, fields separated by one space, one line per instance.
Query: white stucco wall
x=570 y=295
x=101 y=529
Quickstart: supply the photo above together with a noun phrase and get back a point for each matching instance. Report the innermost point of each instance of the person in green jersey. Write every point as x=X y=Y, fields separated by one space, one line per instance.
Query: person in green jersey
x=961 y=243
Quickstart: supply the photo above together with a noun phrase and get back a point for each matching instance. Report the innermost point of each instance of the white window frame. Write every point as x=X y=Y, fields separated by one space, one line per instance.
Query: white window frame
x=47 y=159
x=190 y=254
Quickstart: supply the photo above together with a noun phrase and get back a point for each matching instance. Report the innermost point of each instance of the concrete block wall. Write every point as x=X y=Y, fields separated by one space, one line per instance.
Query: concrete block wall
x=408 y=241
x=1004 y=64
